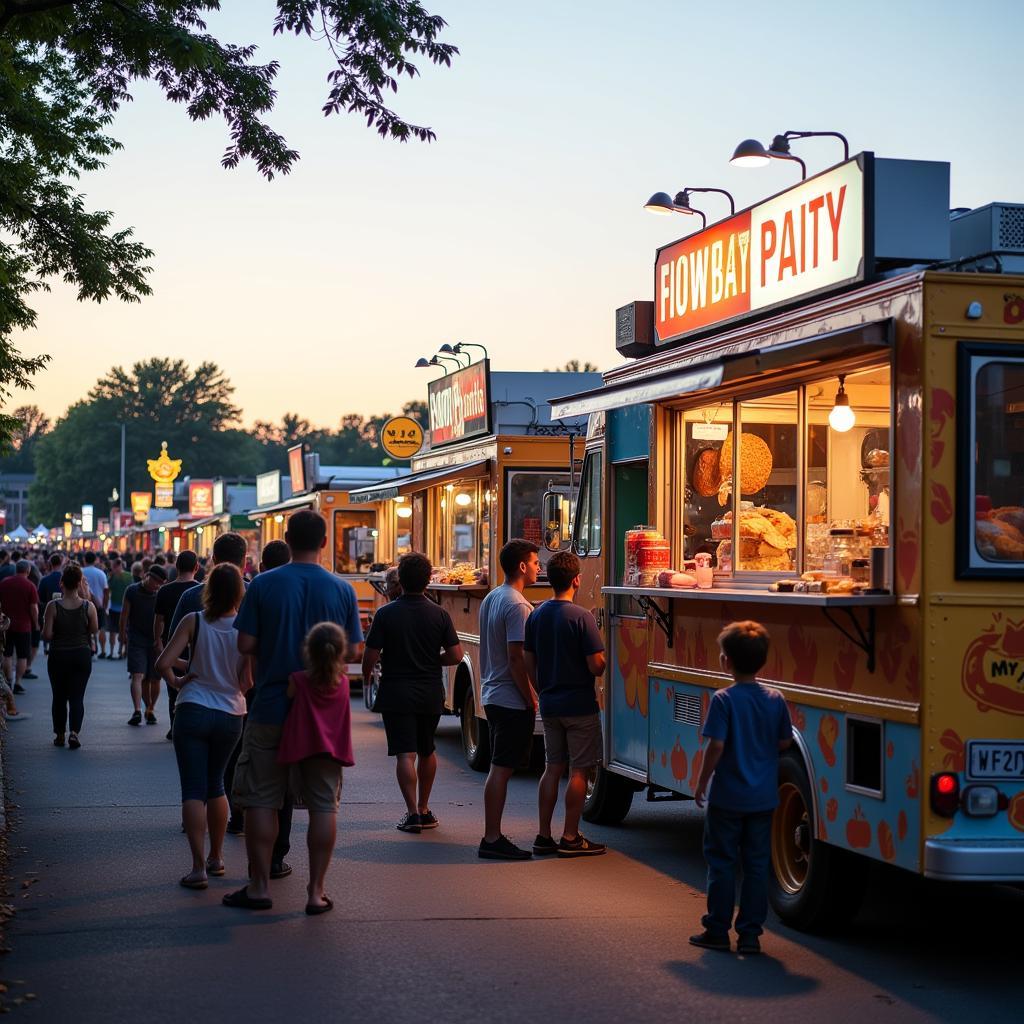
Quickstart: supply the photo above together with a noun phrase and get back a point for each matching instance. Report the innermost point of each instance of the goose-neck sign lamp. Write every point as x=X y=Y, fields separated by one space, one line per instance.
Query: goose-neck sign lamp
x=750 y=152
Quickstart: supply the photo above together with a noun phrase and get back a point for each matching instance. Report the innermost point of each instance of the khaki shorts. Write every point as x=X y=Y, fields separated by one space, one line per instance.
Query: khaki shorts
x=573 y=738
x=259 y=780
x=317 y=784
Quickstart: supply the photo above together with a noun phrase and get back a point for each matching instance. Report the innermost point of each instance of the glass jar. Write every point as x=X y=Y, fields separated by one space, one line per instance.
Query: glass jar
x=842 y=549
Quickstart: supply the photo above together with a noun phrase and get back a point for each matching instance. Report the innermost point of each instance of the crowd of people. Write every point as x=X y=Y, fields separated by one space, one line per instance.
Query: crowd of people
x=254 y=664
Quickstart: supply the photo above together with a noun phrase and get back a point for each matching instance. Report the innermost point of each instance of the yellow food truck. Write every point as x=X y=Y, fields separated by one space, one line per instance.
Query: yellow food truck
x=821 y=427
x=495 y=469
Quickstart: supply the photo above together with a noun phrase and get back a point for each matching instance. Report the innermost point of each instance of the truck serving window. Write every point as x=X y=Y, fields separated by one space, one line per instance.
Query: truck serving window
x=355 y=541
x=990 y=461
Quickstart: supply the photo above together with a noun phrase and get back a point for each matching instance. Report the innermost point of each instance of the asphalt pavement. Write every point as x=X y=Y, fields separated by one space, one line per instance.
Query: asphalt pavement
x=421 y=927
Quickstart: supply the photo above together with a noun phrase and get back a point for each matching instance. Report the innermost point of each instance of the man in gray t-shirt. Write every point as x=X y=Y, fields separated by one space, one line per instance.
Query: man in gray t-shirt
x=506 y=691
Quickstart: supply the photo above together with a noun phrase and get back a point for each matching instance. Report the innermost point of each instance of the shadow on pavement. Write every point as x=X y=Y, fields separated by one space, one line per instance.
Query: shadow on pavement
x=752 y=977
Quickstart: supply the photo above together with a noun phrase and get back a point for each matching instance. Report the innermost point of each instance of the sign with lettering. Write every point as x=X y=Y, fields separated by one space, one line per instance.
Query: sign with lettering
x=268 y=488
x=297 y=468
x=200 y=497
x=218 y=497
x=164 y=495
x=401 y=437
x=805 y=241
x=460 y=404
x=141 y=502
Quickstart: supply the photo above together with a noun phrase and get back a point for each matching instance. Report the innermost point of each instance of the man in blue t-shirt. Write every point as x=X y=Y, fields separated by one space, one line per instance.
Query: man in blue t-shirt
x=564 y=652
x=747 y=726
x=279 y=609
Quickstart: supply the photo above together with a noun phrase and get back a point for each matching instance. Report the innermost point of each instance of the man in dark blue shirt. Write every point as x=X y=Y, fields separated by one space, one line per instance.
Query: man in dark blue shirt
x=279 y=609
x=747 y=726
x=564 y=652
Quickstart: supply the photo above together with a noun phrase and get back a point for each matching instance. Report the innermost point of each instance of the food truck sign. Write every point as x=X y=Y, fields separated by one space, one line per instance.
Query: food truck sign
x=460 y=404
x=807 y=240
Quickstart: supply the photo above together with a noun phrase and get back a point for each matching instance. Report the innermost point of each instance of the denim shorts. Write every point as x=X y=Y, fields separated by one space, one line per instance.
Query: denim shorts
x=203 y=741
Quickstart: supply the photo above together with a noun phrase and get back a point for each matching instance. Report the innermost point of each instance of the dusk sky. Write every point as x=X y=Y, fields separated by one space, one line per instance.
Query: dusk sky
x=521 y=227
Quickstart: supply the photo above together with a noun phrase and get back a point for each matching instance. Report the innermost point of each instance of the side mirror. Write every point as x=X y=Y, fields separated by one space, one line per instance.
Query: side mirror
x=555 y=510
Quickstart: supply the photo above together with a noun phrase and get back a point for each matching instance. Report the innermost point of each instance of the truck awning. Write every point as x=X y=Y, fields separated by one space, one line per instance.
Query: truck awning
x=419 y=481
x=288 y=505
x=702 y=376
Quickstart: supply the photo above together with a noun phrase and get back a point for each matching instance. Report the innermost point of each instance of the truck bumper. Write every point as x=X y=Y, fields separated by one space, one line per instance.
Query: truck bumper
x=975 y=860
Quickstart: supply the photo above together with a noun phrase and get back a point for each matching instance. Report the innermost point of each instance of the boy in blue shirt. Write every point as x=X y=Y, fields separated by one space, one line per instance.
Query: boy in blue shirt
x=747 y=726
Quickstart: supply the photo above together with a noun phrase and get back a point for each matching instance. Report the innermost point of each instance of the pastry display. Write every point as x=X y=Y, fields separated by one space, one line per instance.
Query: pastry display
x=767 y=539
x=755 y=466
x=707 y=472
x=998 y=539
x=876 y=458
x=461 y=574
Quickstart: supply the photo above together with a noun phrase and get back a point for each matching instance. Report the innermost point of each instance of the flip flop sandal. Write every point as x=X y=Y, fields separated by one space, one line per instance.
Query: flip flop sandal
x=244 y=901
x=193 y=883
x=313 y=910
x=215 y=868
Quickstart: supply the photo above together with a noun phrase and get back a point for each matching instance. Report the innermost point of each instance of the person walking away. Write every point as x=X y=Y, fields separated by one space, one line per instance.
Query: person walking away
x=209 y=716
x=6 y=564
x=99 y=589
x=136 y=632
x=506 y=691
x=317 y=740
x=49 y=586
x=166 y=604
x=19 y=600
x=275 y=553
x=70 y=624
x=119 y=581
x=747 y=726
x=564 y=654
x=413 y=639
x=138 y=571
x=35 y=577
x=278 y=611
x=10 y=711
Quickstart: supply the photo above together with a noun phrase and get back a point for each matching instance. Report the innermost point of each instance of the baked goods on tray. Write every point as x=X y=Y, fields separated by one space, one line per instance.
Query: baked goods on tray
x=707 y=474
x=755 y=465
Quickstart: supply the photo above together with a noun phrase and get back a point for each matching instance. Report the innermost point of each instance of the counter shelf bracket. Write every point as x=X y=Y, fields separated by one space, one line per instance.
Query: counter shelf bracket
x=433 y=595
x=661 y=617
x=865 y=640
x=465 y=611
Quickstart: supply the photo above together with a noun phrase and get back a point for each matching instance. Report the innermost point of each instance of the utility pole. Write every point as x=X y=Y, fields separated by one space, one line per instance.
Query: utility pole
x=121 y=491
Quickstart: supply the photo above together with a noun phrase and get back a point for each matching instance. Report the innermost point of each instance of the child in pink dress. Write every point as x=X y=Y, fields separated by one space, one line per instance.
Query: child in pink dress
x=317 y=740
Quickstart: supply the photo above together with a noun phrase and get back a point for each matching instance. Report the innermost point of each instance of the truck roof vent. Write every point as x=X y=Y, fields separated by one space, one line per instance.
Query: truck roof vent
x=995 y=230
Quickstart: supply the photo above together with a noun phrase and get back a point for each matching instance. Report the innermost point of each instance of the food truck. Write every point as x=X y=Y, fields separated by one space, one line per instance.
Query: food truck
x=821 y=427
x=495 y=469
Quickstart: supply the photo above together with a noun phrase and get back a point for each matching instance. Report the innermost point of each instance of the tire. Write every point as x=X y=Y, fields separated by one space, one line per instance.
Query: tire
x=476 y=740
x=813 y=886
x=370 y=688
x=609 y=797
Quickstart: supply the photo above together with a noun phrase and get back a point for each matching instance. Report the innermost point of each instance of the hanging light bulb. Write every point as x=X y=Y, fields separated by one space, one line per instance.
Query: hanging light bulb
x=462 y=499
x=842 y=417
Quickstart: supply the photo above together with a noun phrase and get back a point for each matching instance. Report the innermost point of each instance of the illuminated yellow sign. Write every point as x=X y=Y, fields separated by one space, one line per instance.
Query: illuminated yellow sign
x=164 y=469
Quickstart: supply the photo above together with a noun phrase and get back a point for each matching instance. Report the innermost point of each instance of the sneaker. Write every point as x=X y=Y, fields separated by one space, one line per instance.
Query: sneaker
x=170 y=734
x=708 y=940
x=236 y=828
x=502 y=849
x=18 y=688
x=150 y=718
x=748 y=945
x=58 y=740
x=101 y=656
x=409 y=823
x=544 y=846
x=74 y=742
x=282 y=870
x=136 y=718
x=581 y=846
x=428 y=820
x=29 y=675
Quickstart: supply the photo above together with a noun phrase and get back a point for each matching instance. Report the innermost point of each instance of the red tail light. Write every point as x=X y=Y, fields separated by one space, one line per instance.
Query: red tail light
x=945 y=794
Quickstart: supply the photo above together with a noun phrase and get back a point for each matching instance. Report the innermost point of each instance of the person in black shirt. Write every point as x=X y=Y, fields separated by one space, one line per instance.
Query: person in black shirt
x=166 y=601
x=413 y=639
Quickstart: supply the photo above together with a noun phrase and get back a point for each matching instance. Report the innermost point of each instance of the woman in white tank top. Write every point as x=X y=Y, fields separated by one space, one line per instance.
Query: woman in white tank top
x=208 y=715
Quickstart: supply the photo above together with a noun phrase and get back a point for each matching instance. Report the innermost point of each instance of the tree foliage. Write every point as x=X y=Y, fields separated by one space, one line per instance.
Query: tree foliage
x=66 y=66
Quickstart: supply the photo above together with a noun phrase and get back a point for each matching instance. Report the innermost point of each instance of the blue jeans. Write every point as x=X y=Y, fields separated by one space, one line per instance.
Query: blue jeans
x=203 y=741
x=732 y=840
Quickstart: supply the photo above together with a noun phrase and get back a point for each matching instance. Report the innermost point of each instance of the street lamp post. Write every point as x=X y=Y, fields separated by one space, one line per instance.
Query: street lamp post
x=121 y=490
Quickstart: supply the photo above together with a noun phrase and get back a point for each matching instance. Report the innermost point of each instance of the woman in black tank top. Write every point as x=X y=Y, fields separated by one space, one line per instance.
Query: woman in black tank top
x=69 y=625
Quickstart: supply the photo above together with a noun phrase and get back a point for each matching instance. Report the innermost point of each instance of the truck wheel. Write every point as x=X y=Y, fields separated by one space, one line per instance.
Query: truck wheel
x=370 y=688
x=476 y=741
x=813 y=886
x=609 y=797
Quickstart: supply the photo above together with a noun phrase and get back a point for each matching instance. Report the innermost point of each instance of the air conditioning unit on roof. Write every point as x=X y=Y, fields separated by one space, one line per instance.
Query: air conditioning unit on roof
x=993 y=230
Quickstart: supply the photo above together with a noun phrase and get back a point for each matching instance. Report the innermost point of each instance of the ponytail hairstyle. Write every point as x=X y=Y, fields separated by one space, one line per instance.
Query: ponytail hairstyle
x=324 y=655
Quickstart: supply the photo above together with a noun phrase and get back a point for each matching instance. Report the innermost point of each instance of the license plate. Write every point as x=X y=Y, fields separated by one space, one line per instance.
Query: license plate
x=996 y=759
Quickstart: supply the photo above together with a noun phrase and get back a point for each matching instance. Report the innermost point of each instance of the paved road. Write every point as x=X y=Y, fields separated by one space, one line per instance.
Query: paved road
x=421 y=926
